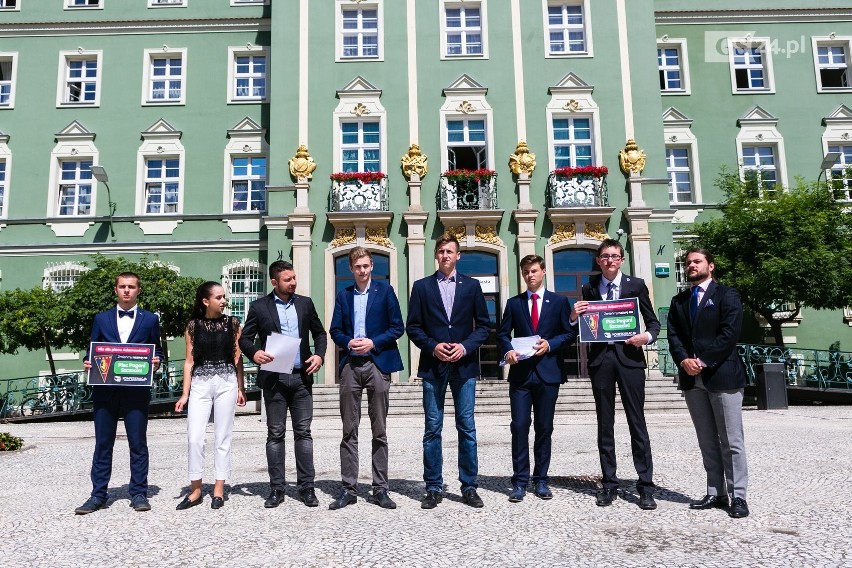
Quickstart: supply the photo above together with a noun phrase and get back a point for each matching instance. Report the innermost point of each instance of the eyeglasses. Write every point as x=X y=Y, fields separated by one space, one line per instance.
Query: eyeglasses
x=610 y=257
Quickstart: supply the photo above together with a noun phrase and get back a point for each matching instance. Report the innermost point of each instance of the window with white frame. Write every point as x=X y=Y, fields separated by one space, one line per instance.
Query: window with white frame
x=832 y=59
x=672 y=66
x=249 y=2
x=681 y=281
x=679 y=170
x=247 y=77
x=75 y=188
x=2 y=188
x=360 y=146
x=751 y=65
x=165 y=3
x=244 y=282
x=466 y=143
x=8 y=72
x=9 y=5
x=83 y=3
x=463 y=29
x=79 y=78
x=760 y=167
x=841 y=172
x=359 y=31
x=572 y=142
x=164 y=76
x=162 y=185
x=567 y=31
x=248 y=183
x=62 y=276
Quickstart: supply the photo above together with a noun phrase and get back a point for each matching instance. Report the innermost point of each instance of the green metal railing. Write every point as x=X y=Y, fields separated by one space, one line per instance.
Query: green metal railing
x=818 y=368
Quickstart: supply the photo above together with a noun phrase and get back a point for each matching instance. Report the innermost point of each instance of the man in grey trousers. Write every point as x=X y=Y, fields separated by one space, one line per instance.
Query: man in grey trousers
x=703 y=328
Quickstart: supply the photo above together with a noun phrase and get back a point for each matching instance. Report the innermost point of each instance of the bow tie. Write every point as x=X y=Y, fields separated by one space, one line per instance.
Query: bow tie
x=128 y=313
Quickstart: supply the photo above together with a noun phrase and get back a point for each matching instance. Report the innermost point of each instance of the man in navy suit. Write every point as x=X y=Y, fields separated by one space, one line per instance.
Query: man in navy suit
x=704 y=325
x=534 y=381
x=283 y=311
x=127 y=323
x=448 y=321
x=366 y=323
x=621 y=363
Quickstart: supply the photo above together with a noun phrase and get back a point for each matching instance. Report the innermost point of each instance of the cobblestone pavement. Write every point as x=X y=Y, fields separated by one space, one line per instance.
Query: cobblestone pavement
x=801 y=512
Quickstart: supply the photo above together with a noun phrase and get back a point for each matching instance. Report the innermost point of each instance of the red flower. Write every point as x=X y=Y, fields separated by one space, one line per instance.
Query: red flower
x=593 y=171
x=363 y=177
x=482 y=174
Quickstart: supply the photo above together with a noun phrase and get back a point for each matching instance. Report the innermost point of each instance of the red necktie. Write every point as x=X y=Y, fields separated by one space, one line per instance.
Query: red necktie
x=534 y=312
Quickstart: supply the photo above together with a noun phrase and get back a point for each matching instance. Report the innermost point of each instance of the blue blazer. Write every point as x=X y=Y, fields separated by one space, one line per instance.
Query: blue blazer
x=428 y=325
x=383 y=325
x=146 y=329
x=554 y=325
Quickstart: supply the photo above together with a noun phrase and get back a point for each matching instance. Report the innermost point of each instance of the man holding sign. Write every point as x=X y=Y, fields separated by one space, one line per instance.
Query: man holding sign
x=126 y=323
x=622 y=362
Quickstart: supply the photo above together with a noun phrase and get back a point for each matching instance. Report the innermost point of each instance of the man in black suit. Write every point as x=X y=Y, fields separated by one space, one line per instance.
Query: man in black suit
x=703 y=328
x=448 y=320
x=283 y=311
x=534 y=381
x=621 y=363
x=126 y=323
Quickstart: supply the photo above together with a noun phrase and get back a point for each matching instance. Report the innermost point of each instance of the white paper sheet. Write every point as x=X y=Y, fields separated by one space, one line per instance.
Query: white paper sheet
x=284 y=350
x=524 y=347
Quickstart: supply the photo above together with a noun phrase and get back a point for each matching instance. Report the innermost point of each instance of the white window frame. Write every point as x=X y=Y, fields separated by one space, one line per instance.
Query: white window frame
x=838 y=130
x=359 y=100
x=751 y=149
x=832 y=41
x=572 y=142
x=161 y=181
x=65 y=59
x=74 y=270
x=343 y=5
x=89 y=5
x=167 y=3
x=671 y=169
x=361 y=145
x=73 y=143
x=245 y=265
x=6 y=158
x=587 y=28
x=15 y=8
x=677 y=129
x=759 y=128
x=571 y=97
x=443 y=5
x=765 y=44
x=466 y=99
x=13 y=78
x=148 y=57
x=250 y=2
x=666 y=42
x=247 y=50
x=159 y=141
x=245 y=140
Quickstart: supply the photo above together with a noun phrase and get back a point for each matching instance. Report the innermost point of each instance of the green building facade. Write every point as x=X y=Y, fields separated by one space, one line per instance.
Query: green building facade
x=220 y=124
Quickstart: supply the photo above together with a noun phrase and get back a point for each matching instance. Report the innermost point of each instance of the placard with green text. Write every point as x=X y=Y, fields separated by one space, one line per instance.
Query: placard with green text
x=121 y=364
x=610 y=320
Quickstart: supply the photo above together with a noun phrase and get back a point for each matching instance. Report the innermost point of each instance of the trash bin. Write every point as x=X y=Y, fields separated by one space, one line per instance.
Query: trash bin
x=771 y=387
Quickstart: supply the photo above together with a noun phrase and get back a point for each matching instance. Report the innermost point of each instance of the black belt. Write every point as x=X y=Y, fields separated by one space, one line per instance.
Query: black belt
x=356 y=360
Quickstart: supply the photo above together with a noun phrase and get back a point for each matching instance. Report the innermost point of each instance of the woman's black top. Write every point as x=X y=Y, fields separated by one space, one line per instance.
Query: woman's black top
x=214 y=345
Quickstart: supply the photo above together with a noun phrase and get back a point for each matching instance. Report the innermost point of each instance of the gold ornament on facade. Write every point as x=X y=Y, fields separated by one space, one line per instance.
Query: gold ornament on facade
x=458 y=232
x=573 y=105
x=522 y=161
x=379 y=236
x=342 y=236
x=631 y=158
x=360 y=110
x=596 y=231
x=302 y=166
x=486 y=234
x=563 y=233
x=414 y=162
x=466 y=107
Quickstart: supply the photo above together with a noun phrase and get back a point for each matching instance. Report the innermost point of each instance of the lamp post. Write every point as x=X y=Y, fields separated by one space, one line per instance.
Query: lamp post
x=100 y=174
x=829 y=160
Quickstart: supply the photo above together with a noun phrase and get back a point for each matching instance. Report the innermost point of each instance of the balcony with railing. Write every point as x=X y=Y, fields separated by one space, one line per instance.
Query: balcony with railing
x=577 y=187
x=465 y=190
x=358 y=192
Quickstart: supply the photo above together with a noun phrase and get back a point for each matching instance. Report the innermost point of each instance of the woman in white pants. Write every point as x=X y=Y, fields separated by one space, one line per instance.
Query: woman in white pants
x=212 y=377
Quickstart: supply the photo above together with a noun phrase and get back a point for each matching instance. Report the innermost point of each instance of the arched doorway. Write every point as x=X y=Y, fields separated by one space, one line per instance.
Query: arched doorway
x=571 y=269
x=484 y=266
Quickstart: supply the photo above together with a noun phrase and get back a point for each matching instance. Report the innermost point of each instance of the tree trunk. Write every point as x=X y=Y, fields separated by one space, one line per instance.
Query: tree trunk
x=46 y=339
x=164 y=364
x=776 y=332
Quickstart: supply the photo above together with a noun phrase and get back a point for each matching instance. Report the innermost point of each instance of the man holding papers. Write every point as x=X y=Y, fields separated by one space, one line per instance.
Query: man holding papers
x=541 y=323
x=289 y=314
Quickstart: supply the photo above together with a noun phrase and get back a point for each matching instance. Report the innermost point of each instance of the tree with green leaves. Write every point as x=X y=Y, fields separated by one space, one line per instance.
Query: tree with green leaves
x=164 y=291
x=32 y=319
x=784 y=250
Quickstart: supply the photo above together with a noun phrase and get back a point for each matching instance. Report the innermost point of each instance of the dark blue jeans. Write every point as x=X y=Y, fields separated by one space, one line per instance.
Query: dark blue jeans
x=293 y=393
x=464 y=395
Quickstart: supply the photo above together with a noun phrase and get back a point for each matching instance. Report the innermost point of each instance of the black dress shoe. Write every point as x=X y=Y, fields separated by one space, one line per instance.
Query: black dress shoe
x=91 y=505
x=739 y=508
x=710 y=502
x=431 y=500
x=345 y=498
x=381 y=498
x=542 y=491
x=140 y=503
x=470 y=497
x=605 y=497
x=646 y=501
x=275 y=498
x=309 y=497
x=187 y=502
x=217 y=502
x=517 y=494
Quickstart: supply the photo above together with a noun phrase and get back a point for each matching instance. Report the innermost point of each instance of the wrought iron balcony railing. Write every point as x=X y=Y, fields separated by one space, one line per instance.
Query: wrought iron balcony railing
x=467 y=193
x=358 y=195
x=576 y=191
